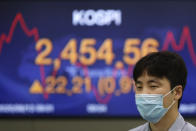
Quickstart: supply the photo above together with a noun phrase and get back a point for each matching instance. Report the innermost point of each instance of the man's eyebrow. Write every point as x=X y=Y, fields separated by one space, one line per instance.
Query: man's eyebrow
x=153 y=81
x=138 y=82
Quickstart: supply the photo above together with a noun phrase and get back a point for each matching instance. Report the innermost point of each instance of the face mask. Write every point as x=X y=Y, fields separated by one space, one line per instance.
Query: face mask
x=151 y=107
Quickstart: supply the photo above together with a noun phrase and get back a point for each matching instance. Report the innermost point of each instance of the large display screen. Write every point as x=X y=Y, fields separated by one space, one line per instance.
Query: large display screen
x=75 y=59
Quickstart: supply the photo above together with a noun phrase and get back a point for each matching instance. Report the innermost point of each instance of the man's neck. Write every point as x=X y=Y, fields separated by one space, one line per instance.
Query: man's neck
x=166 y=122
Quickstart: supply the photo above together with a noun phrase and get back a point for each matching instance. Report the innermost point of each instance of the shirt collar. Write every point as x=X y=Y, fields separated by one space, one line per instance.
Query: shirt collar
x=177 y=125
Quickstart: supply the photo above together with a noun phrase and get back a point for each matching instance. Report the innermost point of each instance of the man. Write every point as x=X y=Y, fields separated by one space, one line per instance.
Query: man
x=160 y=79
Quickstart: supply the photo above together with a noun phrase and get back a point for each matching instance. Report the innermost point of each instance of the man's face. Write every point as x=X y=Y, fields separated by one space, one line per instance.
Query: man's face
x=146 y=84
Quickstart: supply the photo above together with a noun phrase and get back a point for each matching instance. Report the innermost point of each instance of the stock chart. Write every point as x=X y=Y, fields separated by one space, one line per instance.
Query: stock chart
x=76 y=58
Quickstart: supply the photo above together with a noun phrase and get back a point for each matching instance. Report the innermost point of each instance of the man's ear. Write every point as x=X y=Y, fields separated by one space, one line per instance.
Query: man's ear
x=178 y=92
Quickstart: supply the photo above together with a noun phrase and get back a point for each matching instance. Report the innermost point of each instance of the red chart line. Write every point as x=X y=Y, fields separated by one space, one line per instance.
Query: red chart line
x=185 y=38
x=30 y=33
x=18 y=19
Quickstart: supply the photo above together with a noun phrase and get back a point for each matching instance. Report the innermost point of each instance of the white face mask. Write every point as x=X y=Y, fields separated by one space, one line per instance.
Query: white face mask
x=150 y=106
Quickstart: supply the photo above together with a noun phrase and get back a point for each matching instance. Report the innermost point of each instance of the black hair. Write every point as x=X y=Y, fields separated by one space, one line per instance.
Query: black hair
x=163 y=64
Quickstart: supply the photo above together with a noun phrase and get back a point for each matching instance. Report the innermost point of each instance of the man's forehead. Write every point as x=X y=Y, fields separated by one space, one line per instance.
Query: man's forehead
x=148 y=78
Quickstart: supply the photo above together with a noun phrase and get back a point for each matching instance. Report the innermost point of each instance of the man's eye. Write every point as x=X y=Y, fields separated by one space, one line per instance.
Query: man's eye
x=139 y=87
x=153 y=86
